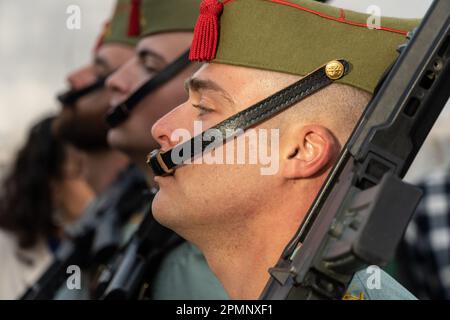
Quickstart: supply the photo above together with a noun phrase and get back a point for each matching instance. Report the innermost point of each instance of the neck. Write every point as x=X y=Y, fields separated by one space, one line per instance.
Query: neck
x=242 y=264
x=241 y=255
x=102 y=168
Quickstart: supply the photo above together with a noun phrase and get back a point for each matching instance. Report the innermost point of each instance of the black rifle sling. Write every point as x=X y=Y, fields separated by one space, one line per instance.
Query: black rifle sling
x=70 y=97
x=123 y=110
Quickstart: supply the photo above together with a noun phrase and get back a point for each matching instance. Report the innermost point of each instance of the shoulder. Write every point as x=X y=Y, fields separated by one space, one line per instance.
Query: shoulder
x=375 y=284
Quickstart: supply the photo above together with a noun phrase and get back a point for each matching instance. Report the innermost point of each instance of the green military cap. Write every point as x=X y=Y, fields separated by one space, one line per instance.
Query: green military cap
x=123 y=26
x=158 y=16
x=297 y=37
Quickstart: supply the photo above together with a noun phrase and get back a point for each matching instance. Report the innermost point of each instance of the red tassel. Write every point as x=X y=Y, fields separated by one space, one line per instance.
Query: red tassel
x=206 y=32
x=134 y=29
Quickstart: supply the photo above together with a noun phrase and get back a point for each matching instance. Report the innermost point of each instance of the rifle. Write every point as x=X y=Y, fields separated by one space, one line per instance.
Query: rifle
x=128 y=275
x=94 y=239
x=363 y=208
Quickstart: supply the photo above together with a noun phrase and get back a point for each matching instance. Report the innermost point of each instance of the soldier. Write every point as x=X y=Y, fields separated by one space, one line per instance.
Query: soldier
x=82 y=124
x=81 y=121
x=42 y=193
x=145 y=89
x=240 y=215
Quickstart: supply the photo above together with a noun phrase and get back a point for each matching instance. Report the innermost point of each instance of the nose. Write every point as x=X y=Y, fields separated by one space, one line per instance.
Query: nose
x=124 y=82
x=82 y=77
x=119 y=84
x=163 y=128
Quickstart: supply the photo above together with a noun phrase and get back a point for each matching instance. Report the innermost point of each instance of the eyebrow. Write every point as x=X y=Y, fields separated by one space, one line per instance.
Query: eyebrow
x=197 y=85
x=145 y=53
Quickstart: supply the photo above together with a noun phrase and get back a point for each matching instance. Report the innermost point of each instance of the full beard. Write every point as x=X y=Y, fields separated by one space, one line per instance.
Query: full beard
x=87 y=132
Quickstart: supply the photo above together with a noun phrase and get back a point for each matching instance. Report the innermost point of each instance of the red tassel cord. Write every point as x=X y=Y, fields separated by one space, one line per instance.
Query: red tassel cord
x=134 y=29
x=206 y=32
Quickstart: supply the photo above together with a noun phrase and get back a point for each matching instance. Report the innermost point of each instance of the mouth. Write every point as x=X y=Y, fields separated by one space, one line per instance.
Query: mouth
x=162 y=180
x=112 y=107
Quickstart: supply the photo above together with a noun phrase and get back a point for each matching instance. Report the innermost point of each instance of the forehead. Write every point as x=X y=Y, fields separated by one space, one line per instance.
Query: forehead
x=244 y=85
x=114 y=54
x=87 y=70
x=228 y=77
x=168 y=45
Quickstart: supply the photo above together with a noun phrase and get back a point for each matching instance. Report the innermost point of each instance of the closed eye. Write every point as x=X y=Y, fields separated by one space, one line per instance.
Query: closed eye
x=202 y=110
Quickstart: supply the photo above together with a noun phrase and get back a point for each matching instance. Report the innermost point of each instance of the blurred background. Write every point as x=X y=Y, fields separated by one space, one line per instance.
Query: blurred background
x=38 y=50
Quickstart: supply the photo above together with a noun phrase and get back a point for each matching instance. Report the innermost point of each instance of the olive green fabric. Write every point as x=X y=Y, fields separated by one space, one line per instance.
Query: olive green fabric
x=265 y=34
x=184 y=274
x=117 y=28
x=159 y=16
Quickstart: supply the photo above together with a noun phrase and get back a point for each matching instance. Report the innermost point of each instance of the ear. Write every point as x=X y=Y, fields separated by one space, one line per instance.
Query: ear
x=311 y=150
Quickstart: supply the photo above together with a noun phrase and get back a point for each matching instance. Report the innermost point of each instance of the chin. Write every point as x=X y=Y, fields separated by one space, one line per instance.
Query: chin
x=116 y=139
x=112 y=138
x=166 y=214
x=158 y=210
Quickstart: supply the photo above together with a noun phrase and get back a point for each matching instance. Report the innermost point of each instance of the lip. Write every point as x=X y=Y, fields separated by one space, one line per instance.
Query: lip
x=160 y=180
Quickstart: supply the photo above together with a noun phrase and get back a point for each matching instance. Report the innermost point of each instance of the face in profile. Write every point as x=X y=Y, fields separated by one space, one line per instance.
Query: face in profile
x=153 y=54
x=71 y=192
x=213 y=195
x=202 y=200
x=83 y=122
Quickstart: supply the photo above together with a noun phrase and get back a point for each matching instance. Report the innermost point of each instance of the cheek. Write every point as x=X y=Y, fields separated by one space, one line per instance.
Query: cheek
x=209 y=190
x=134 y=133
x=211 y=196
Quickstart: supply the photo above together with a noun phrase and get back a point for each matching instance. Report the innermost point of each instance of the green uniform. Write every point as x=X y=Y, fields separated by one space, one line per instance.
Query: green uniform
x=184 y=275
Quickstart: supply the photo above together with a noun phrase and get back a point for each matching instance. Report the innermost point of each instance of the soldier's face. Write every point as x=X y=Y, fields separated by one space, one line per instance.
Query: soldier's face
x=82 y=124
x=72 y=194
x=152 y=55
x=214 y=195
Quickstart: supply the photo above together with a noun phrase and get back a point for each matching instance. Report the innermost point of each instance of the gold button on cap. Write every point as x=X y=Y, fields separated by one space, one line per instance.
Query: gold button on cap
x=334 y=70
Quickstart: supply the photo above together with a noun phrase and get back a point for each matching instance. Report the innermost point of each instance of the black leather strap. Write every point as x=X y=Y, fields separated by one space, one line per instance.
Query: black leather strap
x=123 y=110
x=162 y=162
x=69 y=98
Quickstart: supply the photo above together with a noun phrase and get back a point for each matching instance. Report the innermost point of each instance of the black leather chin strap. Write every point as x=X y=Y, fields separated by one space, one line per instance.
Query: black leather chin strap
x=70 y=97
x=123 y=110
x=162 y=163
